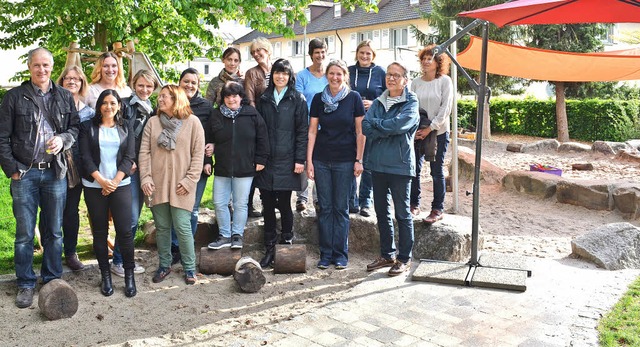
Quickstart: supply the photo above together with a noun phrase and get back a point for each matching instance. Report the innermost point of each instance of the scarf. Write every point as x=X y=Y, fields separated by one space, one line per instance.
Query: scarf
x=331 y=102
x=144 y=106
x=170 y=129
x=229 y=113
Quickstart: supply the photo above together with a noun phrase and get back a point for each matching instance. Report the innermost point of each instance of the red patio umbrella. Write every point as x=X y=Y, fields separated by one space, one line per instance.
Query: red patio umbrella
x=559 y=12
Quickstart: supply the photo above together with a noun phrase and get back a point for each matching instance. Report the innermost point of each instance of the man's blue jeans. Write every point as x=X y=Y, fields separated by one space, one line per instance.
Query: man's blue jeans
x=223 y=189
x=38 y=188
x=333 y=180
x=201 y=185
x=385 y=188
x=136 y=206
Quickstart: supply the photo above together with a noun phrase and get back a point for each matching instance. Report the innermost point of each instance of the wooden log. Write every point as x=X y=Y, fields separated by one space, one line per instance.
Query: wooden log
x=57 y=300
x=514 y=147
x=222 y=261
x=248 y=274
x=290 y=259
x=582 y=167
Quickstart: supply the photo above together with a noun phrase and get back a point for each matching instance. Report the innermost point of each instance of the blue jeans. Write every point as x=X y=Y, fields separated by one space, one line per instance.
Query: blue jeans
x=437 y=173
x=364 y=193
x=137 y=198
x=166 y=217
x=223 y=189
x=38 y=188
x=396 y=187
x=202 y=184
x=333 y=180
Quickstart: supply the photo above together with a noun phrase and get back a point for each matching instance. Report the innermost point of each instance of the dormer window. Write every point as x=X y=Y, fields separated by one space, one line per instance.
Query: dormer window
x=414 y=2
x=307 y=14
x=337 y=10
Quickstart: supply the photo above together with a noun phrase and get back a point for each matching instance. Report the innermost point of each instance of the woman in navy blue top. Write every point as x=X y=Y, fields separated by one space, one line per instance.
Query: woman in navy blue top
x=334 y=157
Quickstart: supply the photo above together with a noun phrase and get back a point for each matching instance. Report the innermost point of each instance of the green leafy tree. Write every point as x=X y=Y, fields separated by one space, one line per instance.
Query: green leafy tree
x=166 y=30
x=442 y=13
x=568 y=38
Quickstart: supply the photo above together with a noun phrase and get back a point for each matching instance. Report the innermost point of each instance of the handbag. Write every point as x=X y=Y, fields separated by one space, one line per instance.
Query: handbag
x=73 y=178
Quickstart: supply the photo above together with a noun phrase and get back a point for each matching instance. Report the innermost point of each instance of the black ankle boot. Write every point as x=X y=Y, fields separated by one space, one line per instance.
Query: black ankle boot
x=269 y=256
x=129 y=283
x=107 y=287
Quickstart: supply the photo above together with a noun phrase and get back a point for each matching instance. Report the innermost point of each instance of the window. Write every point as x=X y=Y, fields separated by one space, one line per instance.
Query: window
x=414 y=2
x=206 y=69
x=365 y=35
x=331 y=43
x=337 y=10
x=307 y=14
x=277 y=49
x=247 y=52
x=297 y=48
x=398 y=37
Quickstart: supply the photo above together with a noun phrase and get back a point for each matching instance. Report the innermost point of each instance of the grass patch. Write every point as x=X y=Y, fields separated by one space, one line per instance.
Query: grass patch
x=85 y=240
x=621 y=326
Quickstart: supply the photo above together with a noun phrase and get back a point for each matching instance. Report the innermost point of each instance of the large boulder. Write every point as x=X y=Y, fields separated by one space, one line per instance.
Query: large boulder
x=634 y=144
x=608 y=147
x=626 y=198
x=542 y=145
x=448 y=239
x=592 y=194
x=489 y=172
x=532 y=182
x=613 y=246
x=630 y=155
x=574 y=147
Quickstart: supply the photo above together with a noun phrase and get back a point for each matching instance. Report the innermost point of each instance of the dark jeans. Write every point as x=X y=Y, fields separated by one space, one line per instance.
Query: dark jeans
x=361 y=198
x=333 y=180
x=119 y=203
x=385 y=188
x=282 y=200
x=38 y=188
x=137 y=200
x=437 y=173
x=71 y=220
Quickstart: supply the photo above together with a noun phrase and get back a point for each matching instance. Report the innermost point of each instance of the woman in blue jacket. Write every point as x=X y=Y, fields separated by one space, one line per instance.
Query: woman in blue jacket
x=366 y=78
x=107 y=149
x=284 y=110
x=390 y=127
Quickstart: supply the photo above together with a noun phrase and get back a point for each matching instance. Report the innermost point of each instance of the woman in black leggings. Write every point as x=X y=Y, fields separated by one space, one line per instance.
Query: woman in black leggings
x=107 y=147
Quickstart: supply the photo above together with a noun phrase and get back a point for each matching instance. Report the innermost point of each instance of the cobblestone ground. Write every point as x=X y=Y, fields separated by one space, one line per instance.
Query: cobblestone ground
x=563 y=302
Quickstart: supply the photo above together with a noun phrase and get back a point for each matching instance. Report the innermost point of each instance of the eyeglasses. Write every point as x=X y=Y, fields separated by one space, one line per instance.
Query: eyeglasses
x=394 y=76
x=72 y=79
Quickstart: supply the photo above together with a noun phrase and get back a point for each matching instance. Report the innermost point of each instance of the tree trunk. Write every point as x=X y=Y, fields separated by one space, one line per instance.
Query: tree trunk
x=248 y=275
x=57 y=300
x=100 y=37
x=290 y=259
x=561 y=113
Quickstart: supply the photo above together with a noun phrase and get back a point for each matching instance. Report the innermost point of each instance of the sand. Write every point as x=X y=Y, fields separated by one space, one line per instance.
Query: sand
x=511 y=222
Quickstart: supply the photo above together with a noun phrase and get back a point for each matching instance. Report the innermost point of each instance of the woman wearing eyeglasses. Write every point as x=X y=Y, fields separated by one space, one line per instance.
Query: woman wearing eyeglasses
x=334 y=157
x=390 y=126
x=73 y=80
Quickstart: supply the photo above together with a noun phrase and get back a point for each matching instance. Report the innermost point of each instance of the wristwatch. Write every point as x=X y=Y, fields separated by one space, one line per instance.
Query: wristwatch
x=359 y=161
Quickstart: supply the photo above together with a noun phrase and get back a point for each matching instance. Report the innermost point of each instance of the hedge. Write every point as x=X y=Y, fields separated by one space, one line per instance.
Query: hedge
x=589 y=120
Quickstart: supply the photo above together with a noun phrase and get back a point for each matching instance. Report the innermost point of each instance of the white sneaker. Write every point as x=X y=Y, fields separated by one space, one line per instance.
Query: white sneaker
x=117 y=269
x=138 y=269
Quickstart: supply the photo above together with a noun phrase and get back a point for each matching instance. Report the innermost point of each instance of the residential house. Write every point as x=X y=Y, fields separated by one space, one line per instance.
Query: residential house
x=342 y=30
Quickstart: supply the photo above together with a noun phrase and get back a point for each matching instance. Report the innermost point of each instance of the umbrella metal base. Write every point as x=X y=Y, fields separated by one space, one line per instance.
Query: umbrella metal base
x=501 y=272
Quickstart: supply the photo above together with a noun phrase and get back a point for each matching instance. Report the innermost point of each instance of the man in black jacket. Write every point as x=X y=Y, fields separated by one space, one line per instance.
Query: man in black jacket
x=38 y=121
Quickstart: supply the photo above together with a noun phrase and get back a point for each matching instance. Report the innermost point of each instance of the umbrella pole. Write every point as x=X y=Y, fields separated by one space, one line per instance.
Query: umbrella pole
x=482 y=98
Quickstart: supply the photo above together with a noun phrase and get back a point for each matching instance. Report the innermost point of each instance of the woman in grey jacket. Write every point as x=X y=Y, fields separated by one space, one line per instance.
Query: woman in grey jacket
x=390 y=126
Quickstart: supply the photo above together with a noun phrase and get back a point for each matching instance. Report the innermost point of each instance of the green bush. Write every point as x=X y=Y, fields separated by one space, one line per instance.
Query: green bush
x=589 y=120
x=2 y=93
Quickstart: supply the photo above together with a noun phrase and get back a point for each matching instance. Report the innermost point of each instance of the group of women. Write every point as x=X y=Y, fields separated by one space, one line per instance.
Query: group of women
x=270 y=129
